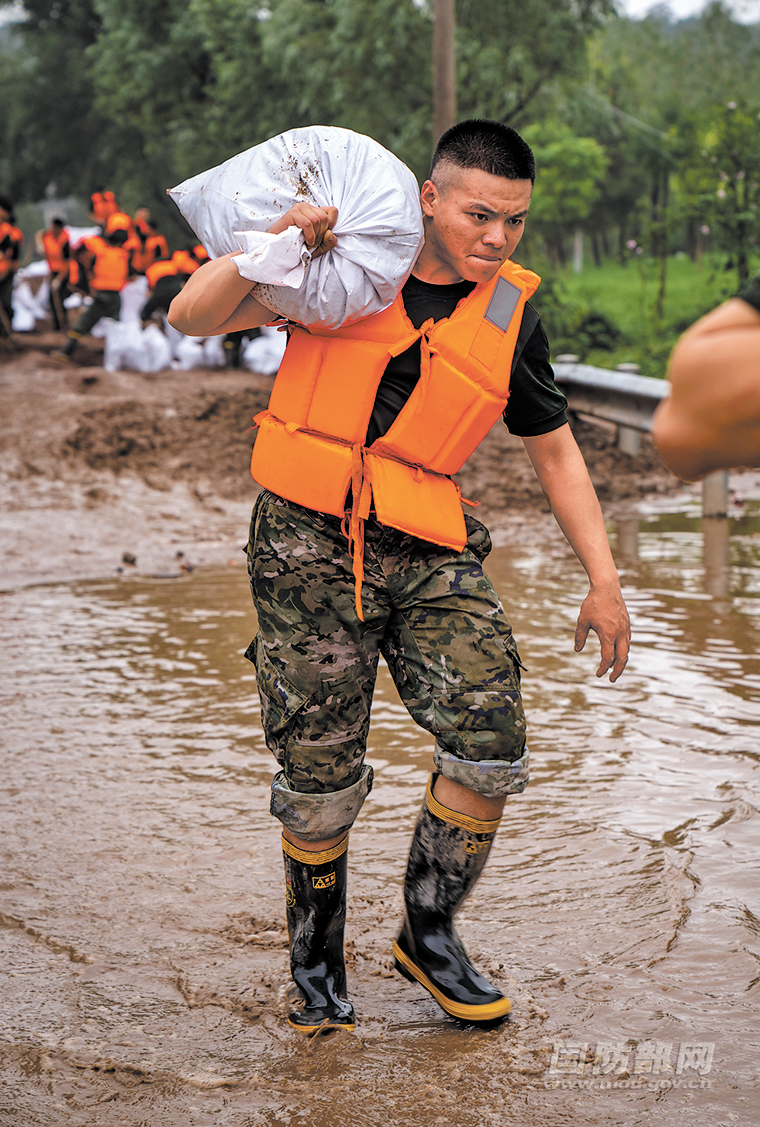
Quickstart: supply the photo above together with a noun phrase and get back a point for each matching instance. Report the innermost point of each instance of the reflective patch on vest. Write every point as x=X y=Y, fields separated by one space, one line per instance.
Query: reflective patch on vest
x=326 y=881
x=502 y=305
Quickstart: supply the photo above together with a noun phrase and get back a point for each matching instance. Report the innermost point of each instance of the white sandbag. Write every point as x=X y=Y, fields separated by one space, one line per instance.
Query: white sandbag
x=158 y=350
x=231 y=208
x=130 y=347
x=42 y=299
x=263 y=354
x=188 y=353
x=213 y=352
x=133 y=297
x=25 y=310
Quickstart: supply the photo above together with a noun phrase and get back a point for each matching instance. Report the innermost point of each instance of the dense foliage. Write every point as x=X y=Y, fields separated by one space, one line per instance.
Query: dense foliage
x=647 y=132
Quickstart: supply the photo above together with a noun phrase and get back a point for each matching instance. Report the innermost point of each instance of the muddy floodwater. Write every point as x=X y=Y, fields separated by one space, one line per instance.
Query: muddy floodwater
x=144 y=953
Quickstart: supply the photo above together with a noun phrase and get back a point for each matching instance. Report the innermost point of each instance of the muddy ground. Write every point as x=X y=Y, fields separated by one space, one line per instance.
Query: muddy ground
x=142 y=933
x=106 y=471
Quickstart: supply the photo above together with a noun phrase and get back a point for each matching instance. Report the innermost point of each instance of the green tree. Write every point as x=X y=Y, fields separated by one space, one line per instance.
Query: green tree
x=733 y=152
x=570 y=170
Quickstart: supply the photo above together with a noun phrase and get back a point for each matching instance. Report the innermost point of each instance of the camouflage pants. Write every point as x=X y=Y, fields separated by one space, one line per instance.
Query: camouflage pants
x=436 y=619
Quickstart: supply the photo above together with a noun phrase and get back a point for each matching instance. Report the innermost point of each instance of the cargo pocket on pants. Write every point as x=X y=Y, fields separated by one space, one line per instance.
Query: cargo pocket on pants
x=280 y=700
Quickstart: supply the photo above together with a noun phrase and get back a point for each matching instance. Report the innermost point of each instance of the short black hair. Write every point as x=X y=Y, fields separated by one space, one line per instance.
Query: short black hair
x=118 y=237
x=489 y=145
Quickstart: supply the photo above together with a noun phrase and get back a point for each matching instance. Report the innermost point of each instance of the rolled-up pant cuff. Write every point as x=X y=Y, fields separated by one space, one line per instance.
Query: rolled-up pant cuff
x=490 y=777
x=317 y=817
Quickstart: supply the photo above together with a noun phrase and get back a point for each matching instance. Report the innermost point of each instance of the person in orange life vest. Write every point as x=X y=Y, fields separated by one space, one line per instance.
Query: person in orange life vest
x=156 y=242
x=106 y=262
x=119 y=221
x=185 y=261
x=78 y=282
x=103 y=204
x=11 y=244
x=165 y=282
x=141 y=220
x=146 y=244
x=380 y=414
x=53 y=243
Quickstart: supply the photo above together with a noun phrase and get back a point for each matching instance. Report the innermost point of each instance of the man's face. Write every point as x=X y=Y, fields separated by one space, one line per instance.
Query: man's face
x=473 y=223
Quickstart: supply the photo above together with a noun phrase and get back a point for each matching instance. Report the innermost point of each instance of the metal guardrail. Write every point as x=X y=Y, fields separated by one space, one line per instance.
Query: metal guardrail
x=629 y=401
x=619 y=397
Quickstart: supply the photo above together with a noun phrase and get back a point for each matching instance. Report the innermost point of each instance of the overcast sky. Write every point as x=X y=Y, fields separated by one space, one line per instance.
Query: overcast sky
x=747 y=11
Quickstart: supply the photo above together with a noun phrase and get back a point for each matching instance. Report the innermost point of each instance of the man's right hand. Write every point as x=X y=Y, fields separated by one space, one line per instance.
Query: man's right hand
x=316 y=223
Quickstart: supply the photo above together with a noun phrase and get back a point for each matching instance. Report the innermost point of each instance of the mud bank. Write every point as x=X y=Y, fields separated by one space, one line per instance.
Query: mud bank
x=99 y=467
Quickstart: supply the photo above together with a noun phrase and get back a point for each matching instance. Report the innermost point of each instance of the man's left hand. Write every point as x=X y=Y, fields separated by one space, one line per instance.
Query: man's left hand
x=604 y=612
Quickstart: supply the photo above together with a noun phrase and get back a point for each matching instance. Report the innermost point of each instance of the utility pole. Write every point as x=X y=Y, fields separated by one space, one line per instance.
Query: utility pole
x=444 y=68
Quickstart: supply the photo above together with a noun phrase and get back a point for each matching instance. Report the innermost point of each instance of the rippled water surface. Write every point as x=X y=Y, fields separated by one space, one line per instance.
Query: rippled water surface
x=144 y=953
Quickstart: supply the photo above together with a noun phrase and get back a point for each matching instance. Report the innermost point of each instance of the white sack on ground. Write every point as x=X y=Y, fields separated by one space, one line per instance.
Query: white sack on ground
x=26 y=308
x=199 y=352
x=264 y=354
x=231 y=208
x=128 y=346
x=133 y=297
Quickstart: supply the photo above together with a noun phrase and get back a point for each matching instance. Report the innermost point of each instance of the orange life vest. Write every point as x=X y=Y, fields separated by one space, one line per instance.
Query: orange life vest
x=54 y=246
x=157 y=245
x=118 y=221
x=103 y=205
x=310 y=442
x=163 y=268
x=140 y=260
x=110 y=269
x=184 y=262
x=11 y=241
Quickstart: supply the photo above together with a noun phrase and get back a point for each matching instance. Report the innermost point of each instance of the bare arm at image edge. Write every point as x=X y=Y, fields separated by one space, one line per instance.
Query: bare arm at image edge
x=711 y=420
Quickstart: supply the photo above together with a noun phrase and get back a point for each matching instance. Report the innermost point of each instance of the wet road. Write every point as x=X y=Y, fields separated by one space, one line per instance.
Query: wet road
x=143 y=946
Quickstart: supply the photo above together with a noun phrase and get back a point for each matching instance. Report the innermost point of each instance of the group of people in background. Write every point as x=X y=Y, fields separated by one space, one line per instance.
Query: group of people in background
x=97 y=266
x=127 y=247
x=11 y=245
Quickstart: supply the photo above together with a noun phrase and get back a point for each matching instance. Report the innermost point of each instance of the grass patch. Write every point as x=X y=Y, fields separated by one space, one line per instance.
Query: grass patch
x=606 y=315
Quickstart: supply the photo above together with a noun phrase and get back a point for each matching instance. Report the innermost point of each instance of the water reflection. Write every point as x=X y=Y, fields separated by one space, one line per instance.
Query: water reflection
x=141 y=894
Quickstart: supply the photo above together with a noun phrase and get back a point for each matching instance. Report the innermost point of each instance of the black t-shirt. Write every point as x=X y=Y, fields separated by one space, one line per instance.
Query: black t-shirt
x=536 y=405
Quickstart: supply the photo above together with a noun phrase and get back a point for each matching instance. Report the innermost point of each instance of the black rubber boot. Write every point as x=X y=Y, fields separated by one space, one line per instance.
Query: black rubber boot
x=316 y=910
x=65 y=352
x=447 y=856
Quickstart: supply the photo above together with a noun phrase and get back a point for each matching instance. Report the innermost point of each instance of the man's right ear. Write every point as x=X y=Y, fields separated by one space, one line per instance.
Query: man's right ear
x=429 y=196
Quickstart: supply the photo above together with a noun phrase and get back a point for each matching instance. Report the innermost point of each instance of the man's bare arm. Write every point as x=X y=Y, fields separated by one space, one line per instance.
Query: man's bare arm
x=712 y=418
x=216 y=300
x=564 y=478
